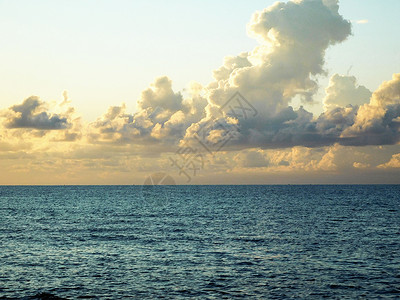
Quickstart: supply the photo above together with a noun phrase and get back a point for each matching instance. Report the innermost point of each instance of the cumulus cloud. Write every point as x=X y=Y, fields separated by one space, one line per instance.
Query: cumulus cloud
x=293 y=39
x=291 y=51
x=160 y=94
x=394 y=162
x=343 y=90
x=162 y=117
x=36 y=126
x=32 y=114
x=252 y=159
x=377 y=122
x=359 y=165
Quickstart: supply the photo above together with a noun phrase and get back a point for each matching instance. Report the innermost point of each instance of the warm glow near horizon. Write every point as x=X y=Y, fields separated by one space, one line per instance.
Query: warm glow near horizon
x=110 y=92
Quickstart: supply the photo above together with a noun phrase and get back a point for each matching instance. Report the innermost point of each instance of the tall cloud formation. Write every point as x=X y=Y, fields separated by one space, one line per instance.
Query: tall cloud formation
x=293 y=37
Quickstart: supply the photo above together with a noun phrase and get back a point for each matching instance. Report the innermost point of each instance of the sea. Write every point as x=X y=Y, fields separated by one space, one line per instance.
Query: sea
x=201 y=242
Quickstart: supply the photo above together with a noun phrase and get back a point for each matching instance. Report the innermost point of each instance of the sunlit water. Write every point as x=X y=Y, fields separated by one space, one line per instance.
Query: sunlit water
x=210 y=242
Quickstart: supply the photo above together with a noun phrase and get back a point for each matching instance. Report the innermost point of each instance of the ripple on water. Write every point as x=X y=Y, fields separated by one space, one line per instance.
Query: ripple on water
x=213 y=242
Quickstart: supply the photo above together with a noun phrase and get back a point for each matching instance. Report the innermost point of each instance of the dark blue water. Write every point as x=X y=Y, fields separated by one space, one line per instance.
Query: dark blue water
x=212 y=242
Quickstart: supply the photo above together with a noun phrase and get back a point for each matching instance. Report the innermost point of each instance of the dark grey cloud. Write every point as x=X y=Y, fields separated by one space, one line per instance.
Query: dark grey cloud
x=31 y=114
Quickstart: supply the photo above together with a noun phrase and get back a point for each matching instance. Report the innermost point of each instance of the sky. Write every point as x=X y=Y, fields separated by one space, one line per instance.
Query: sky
x=112 y=92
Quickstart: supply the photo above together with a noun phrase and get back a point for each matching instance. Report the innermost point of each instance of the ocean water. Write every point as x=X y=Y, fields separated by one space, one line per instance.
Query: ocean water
x=203 y=242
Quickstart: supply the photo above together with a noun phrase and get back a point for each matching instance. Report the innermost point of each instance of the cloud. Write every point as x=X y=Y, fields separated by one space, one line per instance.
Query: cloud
x=363 y=21
x=359 y=165
x=258 y=131
x=292 y=48
x=162 y=117
x=252 y=159
x=377 y=122
x=293 y=39
x=66 y=99
x=37 y=126
x=32 y=114
x=343 y=90
x=394 y=162
x=160 y=94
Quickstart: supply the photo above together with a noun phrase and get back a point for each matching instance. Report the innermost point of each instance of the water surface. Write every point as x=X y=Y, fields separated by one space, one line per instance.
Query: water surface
x=209 y=242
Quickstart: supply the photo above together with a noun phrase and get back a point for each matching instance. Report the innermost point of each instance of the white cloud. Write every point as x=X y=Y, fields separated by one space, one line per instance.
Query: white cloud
x=344 y=90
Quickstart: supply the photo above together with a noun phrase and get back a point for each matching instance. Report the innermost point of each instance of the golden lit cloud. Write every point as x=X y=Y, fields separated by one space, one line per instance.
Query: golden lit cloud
x=255 y=132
